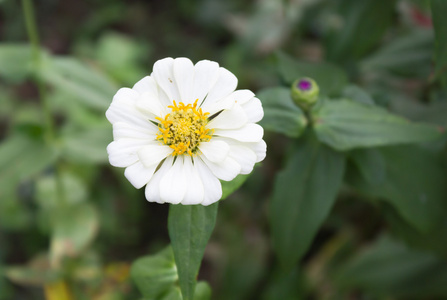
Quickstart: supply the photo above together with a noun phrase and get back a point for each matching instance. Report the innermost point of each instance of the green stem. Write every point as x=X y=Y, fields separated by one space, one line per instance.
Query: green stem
x=33 y=35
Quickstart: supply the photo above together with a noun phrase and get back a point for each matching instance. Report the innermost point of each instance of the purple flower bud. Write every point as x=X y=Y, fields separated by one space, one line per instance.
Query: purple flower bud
x=304 y=85
x=305 y=92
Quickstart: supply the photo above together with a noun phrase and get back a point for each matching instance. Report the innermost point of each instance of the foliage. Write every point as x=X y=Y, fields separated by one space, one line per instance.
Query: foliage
x=349 y=203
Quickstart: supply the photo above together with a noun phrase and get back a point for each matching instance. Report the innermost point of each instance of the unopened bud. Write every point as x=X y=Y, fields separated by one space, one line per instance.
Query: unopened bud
x=305 y=92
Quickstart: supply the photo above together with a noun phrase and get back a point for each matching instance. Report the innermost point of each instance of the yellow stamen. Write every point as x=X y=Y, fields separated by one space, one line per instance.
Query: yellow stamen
x=184 y=128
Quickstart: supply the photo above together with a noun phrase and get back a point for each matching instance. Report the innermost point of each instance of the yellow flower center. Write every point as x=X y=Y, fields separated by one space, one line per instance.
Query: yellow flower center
x=184 y=128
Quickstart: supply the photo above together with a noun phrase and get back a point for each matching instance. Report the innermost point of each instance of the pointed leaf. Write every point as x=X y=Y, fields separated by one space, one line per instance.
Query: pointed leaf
x=303 y=196
x=346 y=125
x=280 y=113
x=389 y=268
x=155 y=274
x=190 y=227
x=414 y=184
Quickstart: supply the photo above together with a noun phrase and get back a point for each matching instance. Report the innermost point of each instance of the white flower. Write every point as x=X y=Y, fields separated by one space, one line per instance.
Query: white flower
x=184 y=127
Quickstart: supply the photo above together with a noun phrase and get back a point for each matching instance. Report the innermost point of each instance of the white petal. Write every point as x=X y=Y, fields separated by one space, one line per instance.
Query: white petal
x=212 y=186
x=205 y=75
x=153 y=153
x=242 y=96
x=123 y=109
x=195 y=190
x=260 y=148
x=249 y=133
x=226 y=170
x=174 y=183
x=123 y=130
x=215 y=151
x=123 y=153
x=229 y=118
x=164 y=76
x=237 y=97
x=146 y=85
x=152 y=191
x=163 y=98
x=212 y=108
x=244 y=156
x=139 y=175
x=224 y=86
x=254 y=111
x=184 y=78
x=151 y=107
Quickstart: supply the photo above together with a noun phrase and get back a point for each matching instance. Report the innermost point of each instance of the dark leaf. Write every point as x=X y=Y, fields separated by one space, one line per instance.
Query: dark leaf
x=303 y=196
x=190 y=227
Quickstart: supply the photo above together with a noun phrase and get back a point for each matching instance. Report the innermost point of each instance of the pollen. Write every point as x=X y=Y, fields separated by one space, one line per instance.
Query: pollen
x=184 y=128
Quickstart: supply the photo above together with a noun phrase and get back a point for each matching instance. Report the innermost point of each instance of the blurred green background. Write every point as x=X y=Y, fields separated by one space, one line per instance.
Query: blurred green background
x=367 y=248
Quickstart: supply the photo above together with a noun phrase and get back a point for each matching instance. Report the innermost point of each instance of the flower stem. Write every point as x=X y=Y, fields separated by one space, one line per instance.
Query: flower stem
x=33 y=35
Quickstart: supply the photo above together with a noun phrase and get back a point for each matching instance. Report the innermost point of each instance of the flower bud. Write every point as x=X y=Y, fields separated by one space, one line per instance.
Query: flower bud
x=305 y=92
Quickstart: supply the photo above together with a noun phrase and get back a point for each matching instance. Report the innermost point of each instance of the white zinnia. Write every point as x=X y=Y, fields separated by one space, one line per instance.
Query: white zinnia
x=184 y=127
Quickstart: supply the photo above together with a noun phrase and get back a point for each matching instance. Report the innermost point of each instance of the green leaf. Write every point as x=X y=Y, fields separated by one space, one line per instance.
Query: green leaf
x=330 y=78
x=14 y=214
x=358 y=30
x=358 y=94
x=87 y=146
x=203 y=291
x=286 y=285
x=280 y=113
x=155 y=274
x=74 y=228
x=244 y=266
x=414 y=184
x=36 y=273
x=371 y=164
x=346 y=125
x=20 y=158
x=47 y=194
x=303 y=195
x=15 y=60
x=438 y=9
x=173 y=294
x=5 y=286
x=435 y=240
x=433 y=113
x=388 y=268
x=92 y=88
x=121 y=57
x=407 y=55
x=228 y=187
x=190 y=227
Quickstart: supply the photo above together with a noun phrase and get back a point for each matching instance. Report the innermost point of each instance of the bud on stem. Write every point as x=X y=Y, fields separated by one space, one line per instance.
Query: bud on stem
x=305 y=92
